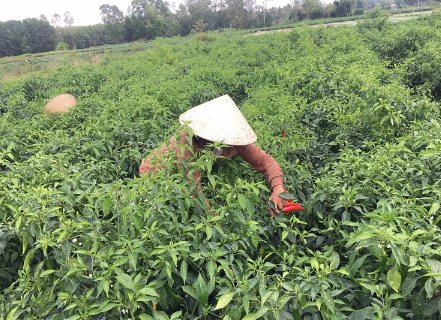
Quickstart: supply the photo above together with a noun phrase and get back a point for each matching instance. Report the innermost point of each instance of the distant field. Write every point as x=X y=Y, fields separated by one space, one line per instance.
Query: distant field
x=17 y=66
x=398 y=17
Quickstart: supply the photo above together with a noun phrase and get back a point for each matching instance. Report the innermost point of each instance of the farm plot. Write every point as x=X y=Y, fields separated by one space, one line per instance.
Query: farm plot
x=82 y=236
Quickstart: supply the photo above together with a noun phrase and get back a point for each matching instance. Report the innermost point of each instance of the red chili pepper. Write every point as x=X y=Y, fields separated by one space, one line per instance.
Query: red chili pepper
x=283 y=134
x=292 y=206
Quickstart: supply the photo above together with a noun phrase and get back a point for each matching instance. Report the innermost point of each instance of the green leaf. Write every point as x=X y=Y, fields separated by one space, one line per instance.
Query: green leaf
x=431 y=307
x=286 y=196
x=243 y=201
x=71 y=306
x=334 y=260
x=211 y=267
x=145 y=317
x=262 y=311
x=408 y=285
x=343 y=271
x=11 y=314
x=359 y=237
x=125 y=280
x=251 y=316
x=74 y=317
x=208 y=231
x=224 y=300
x=435 y=265
x=282 y=301
x=434 y=208
x=315 y=264
x=46 y=273
x=353 y=268
x=160 y=315
x=212 y=180
x=107 y=204
x=271 y=205
x=439 y=306
x=367 y=313
x=202 y=290
x=395 y=296
x=183 y=270
x=145 y=299
x=148 y=291
x=104 y=308
x=106 y=286
x=176 y=315
x=394 y=278
x=191 y=291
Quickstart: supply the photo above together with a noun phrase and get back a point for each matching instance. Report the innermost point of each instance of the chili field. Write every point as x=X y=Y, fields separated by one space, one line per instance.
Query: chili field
x=82 y=236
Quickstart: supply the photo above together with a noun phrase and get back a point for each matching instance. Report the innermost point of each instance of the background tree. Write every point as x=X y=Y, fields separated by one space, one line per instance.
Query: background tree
x=43 y=18
x=297 y=11
x=154 y=22
x=201 y=10
x=184 y=20
x=313 y=9
x=113 y=19
x=236 y=13
x=200 y=26
x=68 y=19
x=55 y=20
x=344 y=8
x=38 y=36
x=160 y=21
x=11 y=33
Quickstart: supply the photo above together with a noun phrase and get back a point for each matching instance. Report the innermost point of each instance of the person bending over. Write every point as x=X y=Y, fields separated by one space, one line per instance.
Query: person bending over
x=220 y=120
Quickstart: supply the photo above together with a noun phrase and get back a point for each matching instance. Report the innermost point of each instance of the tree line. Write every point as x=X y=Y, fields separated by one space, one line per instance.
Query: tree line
x=148 y=19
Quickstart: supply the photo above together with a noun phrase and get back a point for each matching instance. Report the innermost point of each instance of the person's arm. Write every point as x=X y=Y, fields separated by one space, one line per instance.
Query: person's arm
x=268 y=166
x=151 y=163
x=182 y=151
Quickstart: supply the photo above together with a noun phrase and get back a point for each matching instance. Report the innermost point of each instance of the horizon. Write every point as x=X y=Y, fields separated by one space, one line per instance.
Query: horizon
x=22 y=9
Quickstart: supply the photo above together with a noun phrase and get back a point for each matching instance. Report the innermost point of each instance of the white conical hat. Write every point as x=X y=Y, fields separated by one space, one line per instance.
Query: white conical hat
x=219 y=120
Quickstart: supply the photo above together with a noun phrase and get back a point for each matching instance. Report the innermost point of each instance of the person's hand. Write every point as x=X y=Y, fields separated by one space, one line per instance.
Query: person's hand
x=277 y=200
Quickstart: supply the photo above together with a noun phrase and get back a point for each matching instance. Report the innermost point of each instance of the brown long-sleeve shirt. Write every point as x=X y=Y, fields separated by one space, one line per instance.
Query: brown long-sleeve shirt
x=251 y=153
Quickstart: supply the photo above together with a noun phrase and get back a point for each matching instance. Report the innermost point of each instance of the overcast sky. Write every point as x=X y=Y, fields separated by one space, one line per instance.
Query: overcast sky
x=84 y=12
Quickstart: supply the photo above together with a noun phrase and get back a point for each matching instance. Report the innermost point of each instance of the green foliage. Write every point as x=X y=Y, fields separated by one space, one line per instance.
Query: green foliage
x=27 y=36
x=423 y=70
x=375 y=20
x=396 y=44
x=82 y=236
x=61 y=46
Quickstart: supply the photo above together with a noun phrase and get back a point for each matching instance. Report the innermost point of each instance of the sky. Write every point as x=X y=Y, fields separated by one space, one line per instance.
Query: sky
x=84 y=12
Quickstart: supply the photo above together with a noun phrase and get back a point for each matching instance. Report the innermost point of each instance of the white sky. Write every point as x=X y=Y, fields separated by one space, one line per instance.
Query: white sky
x=84 y=12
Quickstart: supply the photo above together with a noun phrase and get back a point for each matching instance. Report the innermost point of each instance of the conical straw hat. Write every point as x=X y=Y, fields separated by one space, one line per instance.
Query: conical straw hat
x=219 y=120
x=61 y=103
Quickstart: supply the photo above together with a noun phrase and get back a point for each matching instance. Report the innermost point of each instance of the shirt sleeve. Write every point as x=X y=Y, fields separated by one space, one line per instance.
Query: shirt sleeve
x=178 y=147
x=263 y=163
x=151 y=163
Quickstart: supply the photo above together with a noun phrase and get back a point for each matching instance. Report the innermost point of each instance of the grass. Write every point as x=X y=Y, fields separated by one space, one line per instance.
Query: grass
x=19 y=66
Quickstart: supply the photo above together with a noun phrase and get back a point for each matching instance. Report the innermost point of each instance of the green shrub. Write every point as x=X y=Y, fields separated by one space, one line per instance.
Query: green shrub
x=83 y=237
x=61 y=46
x=423 y=71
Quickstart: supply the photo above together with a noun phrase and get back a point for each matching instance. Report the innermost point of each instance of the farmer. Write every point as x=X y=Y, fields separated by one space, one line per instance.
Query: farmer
x=220 y=120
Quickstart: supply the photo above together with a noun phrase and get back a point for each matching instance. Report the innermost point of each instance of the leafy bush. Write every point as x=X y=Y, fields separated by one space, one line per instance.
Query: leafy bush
x=424 y=71
x=61 y=46
x=83 y=237
x=375 y=20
